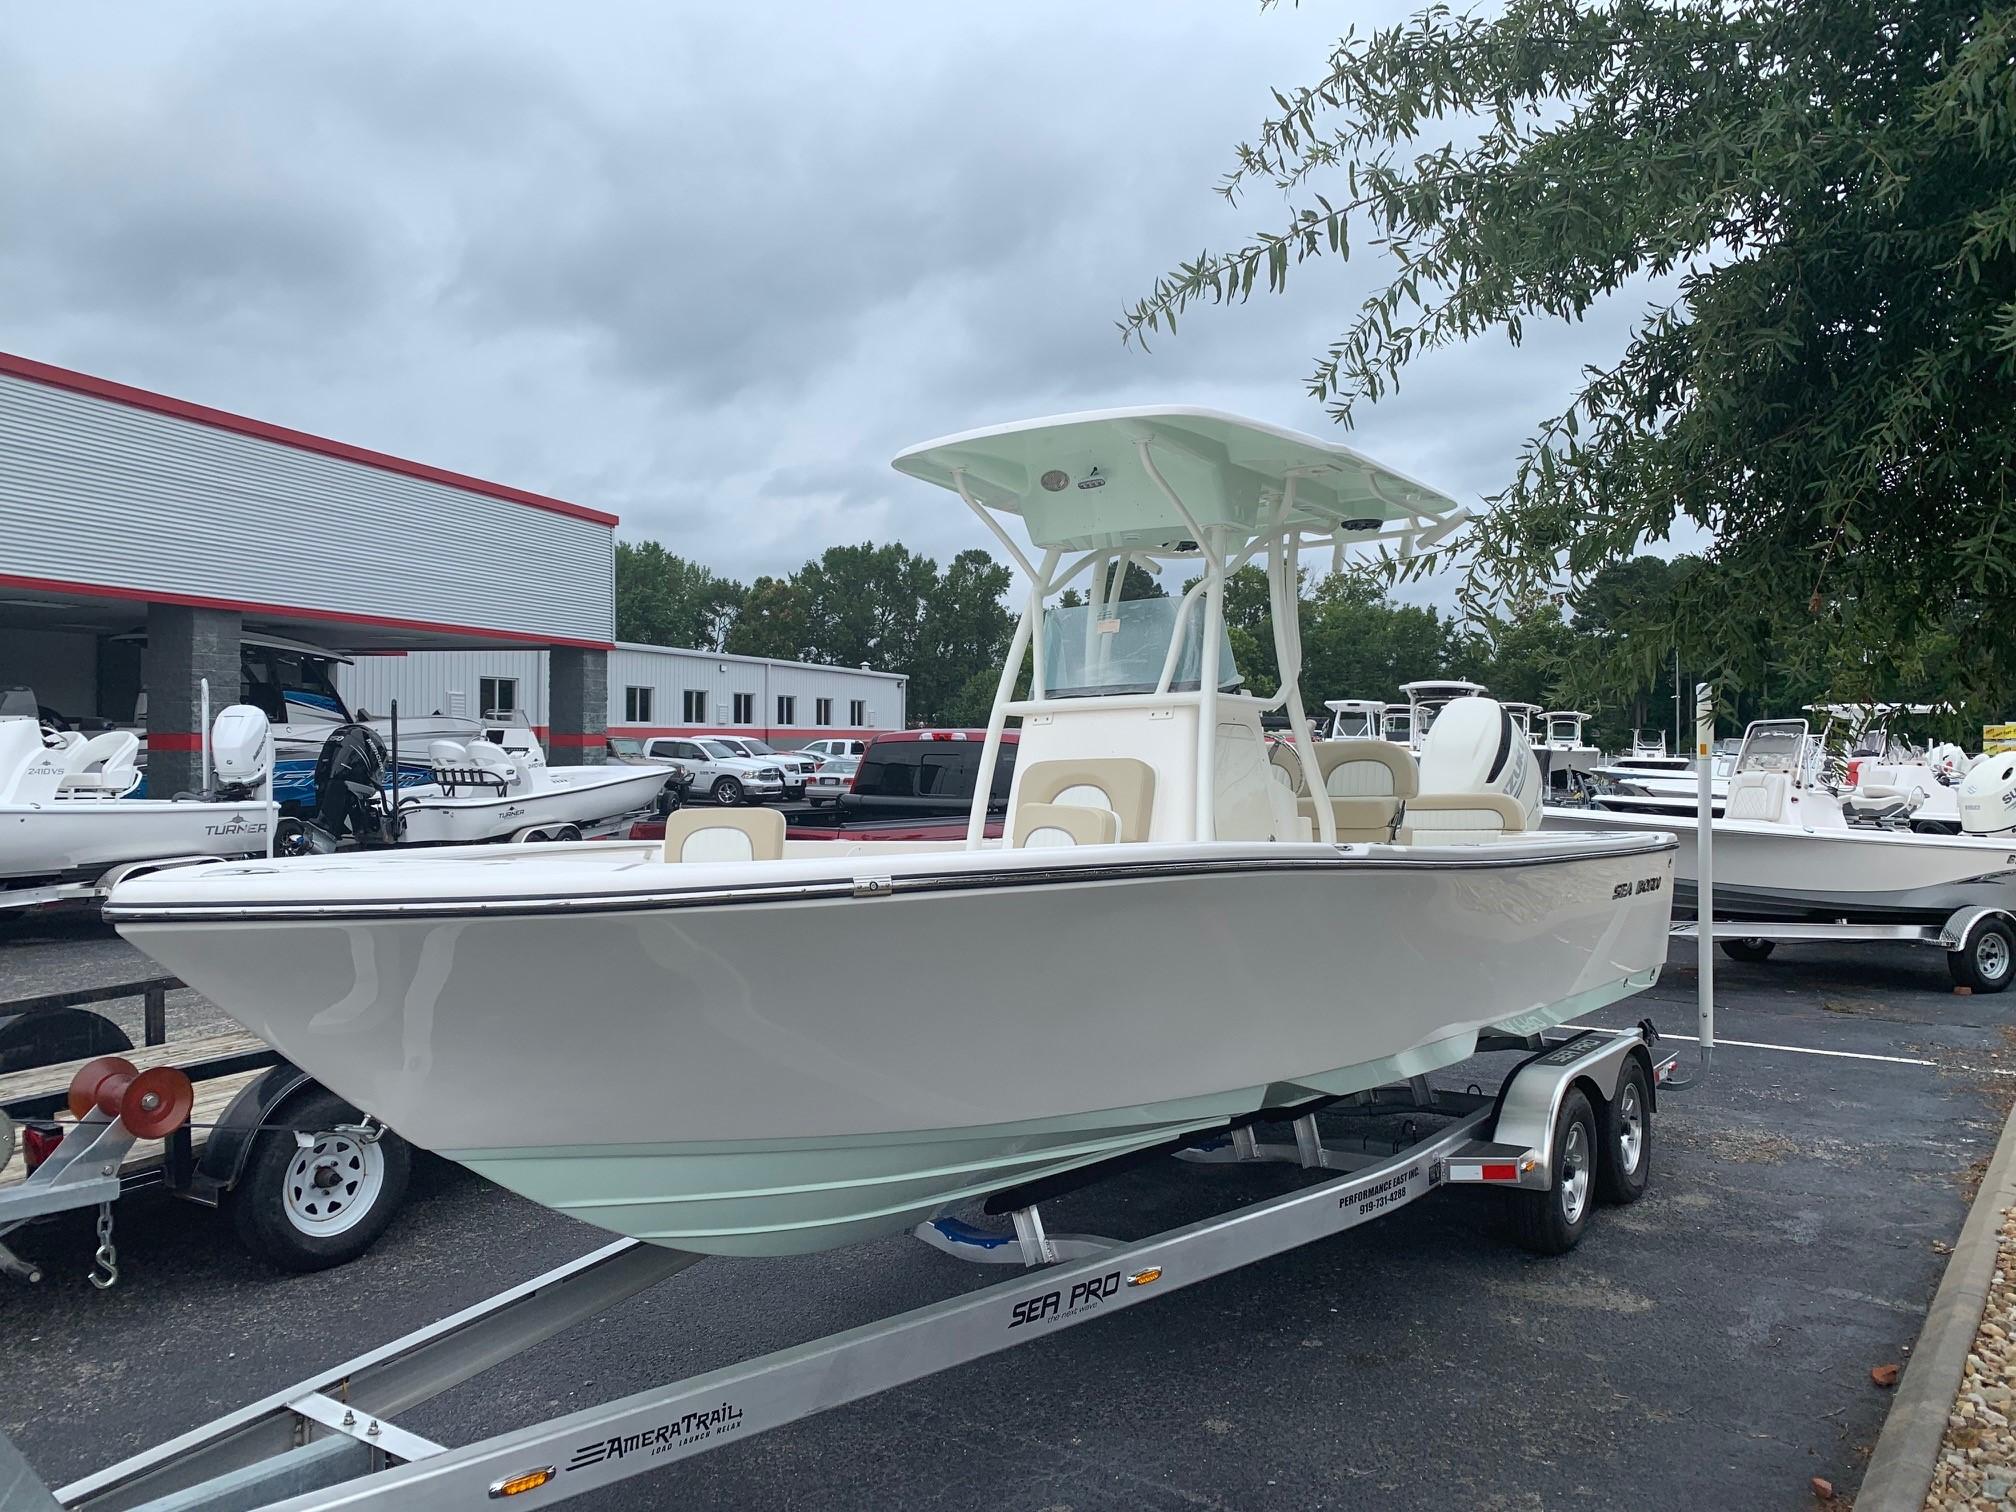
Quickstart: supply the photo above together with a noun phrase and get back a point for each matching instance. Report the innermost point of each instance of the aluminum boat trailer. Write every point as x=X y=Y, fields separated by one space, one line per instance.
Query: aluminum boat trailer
x=1979 y=940
x=1572 y=1121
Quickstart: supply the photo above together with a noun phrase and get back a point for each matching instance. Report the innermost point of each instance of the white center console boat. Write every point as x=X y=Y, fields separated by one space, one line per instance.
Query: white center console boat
x=1176 y=932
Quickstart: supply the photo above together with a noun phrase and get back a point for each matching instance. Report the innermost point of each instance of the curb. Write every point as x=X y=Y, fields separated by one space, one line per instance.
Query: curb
x=1907 y=1453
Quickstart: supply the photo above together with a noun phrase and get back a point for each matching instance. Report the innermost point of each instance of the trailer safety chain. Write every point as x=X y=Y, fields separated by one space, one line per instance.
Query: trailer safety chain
x=105 y=1267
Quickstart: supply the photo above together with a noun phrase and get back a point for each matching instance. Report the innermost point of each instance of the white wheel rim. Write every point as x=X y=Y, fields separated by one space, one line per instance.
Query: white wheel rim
x=332 y=1185
x=1991 y=956
x=1630 y=1128
x=1574 y=1172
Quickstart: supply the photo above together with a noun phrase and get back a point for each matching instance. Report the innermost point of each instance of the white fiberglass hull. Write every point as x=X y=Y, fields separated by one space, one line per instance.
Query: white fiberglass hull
x=82 y=835
x=1861 y=874
x=551 y=796
x=777 y=1057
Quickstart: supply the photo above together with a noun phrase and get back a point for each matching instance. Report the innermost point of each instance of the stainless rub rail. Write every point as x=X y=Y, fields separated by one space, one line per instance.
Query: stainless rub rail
x=836 y=887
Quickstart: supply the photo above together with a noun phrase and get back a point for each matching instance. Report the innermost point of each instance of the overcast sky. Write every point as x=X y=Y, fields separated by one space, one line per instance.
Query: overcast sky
x=708 y=268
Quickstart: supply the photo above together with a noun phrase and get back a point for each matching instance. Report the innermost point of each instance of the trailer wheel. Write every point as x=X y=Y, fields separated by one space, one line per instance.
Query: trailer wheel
x=308 y=1208
x=1748 y=949
x=1624 y=1125
x=1551 y=1222
x=1987 y=961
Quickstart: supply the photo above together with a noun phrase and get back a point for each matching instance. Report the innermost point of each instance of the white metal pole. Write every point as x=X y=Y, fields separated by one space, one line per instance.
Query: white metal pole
x=1004 y=694
x=1207 y=693
x=203 y=742
x=271 y=755
x=1704 y=863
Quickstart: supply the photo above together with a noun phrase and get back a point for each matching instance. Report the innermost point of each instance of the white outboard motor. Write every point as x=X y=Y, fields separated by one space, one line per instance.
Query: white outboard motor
x=240 y=747
x=1988 y=797
x=1474 y=746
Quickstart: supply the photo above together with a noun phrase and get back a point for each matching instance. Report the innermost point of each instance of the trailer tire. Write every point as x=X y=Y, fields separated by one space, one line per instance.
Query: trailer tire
x=1551 y=1222
x=309 y=1209
x=1988 y=960
x=1624 y=1125
x=28 y=1040
x=1748 y=949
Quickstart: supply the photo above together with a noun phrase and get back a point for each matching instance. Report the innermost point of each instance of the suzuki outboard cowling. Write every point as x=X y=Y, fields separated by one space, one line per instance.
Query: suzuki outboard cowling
x=1474 y=746
x=1988 y=797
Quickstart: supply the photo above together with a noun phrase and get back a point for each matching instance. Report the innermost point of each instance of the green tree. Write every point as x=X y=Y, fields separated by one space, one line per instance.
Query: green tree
x=962 y=638
x=1825 y=192
x=665 y=600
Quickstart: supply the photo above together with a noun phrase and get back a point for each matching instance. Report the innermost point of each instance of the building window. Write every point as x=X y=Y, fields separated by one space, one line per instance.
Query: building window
x=787 y=709
x=499 y=697
x=857 y=713
x=637 y=706
x=695 y=706
x=745 y=708
x=822 y=712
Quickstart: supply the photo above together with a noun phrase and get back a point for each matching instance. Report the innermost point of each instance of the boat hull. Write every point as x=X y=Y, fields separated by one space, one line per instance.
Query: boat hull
x=791 y=1069
x=83 y=835
x=1857 y=875
x=562 y=795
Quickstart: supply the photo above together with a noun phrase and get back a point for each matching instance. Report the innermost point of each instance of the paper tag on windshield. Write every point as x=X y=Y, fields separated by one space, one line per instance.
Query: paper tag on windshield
x=1108 y=627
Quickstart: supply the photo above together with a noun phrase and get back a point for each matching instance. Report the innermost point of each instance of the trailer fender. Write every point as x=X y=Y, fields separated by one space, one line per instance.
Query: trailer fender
x=230 y=1144
x=1958 y=931
x=1530 y=1102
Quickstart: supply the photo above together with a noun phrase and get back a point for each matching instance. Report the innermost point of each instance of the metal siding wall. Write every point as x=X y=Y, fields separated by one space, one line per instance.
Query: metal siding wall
x=93 y=491
x=669 y=672
x=423 y=681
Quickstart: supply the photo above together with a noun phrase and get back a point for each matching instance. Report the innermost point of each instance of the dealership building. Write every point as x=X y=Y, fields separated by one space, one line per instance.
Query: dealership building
x=653 y=690
x=144 y=538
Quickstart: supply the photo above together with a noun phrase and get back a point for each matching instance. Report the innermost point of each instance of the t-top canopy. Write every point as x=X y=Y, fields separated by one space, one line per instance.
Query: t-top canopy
x=1081 y=482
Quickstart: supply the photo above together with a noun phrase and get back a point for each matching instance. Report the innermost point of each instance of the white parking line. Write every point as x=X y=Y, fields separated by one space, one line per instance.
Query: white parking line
x=1861 y=1055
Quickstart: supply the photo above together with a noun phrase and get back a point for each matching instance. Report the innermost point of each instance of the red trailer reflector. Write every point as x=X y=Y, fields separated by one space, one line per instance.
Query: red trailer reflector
x=1500 y=1170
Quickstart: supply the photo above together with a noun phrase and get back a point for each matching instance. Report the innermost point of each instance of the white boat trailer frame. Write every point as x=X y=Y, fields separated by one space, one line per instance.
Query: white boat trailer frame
x=1961 y=936
x=332 y=1439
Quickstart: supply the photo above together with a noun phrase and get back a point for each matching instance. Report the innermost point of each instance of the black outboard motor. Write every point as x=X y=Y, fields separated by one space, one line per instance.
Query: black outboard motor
x=350 y=774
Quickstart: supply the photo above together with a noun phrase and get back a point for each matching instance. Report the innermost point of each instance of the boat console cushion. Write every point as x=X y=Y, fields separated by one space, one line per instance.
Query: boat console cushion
x=1757 y=795
x=1460 y=818
x=1119 y=783
x=741 y=834
x=1039 y=825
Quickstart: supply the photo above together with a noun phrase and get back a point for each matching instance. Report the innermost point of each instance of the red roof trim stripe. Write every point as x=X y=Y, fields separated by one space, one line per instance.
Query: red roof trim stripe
x=203 y=414
x=245 y=606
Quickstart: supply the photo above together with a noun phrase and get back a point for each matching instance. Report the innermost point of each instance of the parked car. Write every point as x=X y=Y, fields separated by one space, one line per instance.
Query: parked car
x=824 y=749
x=721 y=774
x=628 y=750
x=830 y=779
x=796 y=765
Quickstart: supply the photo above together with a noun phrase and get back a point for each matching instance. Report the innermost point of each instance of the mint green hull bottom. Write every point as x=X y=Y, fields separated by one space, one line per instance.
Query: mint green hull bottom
x=796 y=1196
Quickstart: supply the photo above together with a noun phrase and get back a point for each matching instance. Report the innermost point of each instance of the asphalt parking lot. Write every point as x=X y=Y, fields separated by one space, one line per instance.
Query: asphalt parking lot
x=1707 y=1348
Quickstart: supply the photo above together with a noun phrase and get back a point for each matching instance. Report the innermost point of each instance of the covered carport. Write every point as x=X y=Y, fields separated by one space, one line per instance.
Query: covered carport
x=145 y=535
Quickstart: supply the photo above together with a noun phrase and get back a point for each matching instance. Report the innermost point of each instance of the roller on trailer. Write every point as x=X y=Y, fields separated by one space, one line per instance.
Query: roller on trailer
x=1570 y=1127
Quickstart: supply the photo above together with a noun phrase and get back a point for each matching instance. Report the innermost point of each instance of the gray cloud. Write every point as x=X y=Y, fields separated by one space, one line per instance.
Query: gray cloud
x=705 y=269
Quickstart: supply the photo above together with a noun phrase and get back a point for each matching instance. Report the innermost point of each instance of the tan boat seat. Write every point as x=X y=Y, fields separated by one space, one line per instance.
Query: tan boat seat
x=1043 y=825
x=1120 y=784
x=1460 y=818
x=1369 y=783
x=740 y=834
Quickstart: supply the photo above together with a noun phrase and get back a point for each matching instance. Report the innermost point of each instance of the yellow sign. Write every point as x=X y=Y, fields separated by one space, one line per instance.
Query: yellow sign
x=1998 y=740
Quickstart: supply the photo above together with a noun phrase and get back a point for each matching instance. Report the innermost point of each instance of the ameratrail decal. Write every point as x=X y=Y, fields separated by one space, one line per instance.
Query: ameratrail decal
x=688 y=1428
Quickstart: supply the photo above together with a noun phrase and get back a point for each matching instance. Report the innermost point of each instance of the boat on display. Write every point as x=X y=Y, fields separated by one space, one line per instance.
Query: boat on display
x=66 y=813
x=1786 y=848
x=475 y=791
x=1571 y=760
x=1357 y=718
x=1426 y=698
x=1180 y=928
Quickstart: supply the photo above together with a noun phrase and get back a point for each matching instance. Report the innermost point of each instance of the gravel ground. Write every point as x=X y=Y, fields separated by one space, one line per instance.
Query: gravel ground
x=1708 y=1349
x=1977 y=1461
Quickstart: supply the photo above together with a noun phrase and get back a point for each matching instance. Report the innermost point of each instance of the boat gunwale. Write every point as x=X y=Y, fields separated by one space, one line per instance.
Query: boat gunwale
x=1350 y=858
